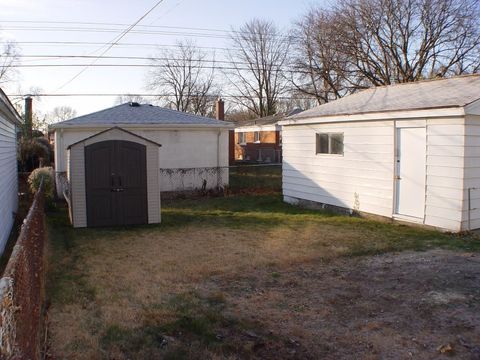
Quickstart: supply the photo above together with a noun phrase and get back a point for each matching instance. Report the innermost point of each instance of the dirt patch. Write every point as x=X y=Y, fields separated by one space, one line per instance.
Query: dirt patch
x=396 y=306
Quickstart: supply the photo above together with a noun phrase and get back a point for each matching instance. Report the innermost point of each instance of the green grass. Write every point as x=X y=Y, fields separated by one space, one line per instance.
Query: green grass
x=267 y=177
x=269 y=211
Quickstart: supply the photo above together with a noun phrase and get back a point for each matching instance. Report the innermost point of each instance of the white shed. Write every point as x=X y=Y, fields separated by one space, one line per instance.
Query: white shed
x=9 y=123
x=114 y=142
x=409 y=152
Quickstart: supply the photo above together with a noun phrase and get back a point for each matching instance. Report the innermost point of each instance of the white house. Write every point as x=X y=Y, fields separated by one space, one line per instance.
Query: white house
x=9 y=123
x=409 y=152
x=136 y=151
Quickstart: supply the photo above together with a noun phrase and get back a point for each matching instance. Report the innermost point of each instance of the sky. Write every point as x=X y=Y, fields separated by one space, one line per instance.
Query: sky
x=24 y=21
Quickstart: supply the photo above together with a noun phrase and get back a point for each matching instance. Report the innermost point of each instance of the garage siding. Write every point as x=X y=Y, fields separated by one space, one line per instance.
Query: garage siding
x=8 y=178
x=472 y=172
x=361 y=179
x=184 y=149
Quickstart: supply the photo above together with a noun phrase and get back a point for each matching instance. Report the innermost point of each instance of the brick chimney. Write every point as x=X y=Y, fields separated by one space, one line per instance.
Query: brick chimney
x=28 y=117
x=220 y=109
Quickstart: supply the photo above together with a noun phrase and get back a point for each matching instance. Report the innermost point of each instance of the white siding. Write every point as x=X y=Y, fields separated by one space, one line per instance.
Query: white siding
x=445 y=164
x=472 y=172
x=186 y=149
x=8 y=178
x=361 y=179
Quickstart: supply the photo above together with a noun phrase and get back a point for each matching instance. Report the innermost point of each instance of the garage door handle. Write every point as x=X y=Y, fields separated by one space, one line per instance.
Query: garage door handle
x=118 y=190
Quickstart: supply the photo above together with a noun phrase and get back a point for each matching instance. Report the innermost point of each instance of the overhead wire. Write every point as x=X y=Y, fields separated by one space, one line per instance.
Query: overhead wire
x=113 y=42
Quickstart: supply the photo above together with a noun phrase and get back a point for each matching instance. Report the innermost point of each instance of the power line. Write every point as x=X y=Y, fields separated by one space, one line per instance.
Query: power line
x=83 y=43
x=228 y=32
x=149 y=95
x=158 y=66
x=113 y=42
x=152 y=58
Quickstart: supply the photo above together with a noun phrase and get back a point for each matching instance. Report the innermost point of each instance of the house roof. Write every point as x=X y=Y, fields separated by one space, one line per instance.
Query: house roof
x=133 y=114
x=268 y=120
x=9 y=109
x=430 y=94
x=114 y=128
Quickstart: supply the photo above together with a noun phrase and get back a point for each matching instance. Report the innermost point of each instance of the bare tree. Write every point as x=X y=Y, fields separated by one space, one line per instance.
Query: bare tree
x=61 y=113
x=8 y=56
x=184 y=79
x=322 y=69
x=361 y=43
x=259 y=53
x=122 y=99
x=391 y=41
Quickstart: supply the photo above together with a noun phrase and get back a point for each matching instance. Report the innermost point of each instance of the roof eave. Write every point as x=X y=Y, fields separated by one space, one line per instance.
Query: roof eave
x=378 y=115
x=145 y=126
x=15 y=116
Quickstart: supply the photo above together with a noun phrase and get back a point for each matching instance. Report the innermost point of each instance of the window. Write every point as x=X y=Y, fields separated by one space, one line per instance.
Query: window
x=330 y=143
x=241 y=138
x=256 y=136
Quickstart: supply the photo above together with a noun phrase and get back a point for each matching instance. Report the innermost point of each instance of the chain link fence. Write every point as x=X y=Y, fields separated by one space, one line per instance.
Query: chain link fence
x=237 y=178
x=22 y=289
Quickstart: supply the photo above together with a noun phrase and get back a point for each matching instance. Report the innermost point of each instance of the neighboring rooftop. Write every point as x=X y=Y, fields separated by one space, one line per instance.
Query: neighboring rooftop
x=429 y=94
x=139 y=114
x=268 y=120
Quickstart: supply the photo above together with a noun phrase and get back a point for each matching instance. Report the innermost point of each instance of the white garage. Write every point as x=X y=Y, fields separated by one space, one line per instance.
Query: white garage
x=409 y=152
x=171 y=150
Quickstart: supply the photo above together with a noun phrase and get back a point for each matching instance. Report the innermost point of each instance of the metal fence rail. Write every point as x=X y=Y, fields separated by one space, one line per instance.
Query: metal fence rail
x=22 y=289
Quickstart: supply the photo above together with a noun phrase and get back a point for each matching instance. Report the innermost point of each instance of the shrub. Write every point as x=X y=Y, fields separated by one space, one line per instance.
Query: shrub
x=35 y=177
x=30 y=151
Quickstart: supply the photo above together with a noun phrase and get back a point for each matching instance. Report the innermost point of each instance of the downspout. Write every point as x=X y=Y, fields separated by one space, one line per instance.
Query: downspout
x=469 y=191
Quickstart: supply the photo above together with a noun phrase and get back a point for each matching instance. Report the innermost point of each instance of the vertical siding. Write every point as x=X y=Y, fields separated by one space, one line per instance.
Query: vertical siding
x=8 y=179
x=361 y=179
x=77 y=184
x=445 y=172
x=472 y=172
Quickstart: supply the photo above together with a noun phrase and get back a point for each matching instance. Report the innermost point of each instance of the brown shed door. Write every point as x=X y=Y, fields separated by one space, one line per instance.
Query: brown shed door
x=116 y=183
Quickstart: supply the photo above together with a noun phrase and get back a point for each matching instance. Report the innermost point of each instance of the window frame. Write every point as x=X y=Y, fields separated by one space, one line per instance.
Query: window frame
x=255 y=135
x=242 y=138
x=329 y=134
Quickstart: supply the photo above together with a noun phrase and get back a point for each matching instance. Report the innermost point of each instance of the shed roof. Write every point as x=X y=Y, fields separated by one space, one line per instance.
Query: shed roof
x=430 y=94
x=140 y=114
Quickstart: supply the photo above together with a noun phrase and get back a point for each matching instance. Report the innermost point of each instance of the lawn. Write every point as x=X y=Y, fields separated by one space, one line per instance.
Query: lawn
x=251 y=277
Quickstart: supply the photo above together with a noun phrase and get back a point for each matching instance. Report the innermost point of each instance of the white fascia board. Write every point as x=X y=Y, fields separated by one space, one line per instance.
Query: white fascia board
x=258 y=128
x=379 y=116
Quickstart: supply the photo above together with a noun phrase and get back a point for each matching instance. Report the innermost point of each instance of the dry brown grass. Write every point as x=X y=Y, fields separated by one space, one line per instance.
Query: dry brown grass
x=109 y=285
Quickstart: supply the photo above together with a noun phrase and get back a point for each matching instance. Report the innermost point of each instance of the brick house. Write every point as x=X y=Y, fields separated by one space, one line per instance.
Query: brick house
x=260 y=140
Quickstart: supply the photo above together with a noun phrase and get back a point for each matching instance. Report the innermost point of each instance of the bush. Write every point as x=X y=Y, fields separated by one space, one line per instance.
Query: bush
x=30 y=152
x=35 y=177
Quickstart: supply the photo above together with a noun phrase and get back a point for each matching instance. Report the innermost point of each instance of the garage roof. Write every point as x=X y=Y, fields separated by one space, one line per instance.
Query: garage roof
x=140 y=114
x=430 y=94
